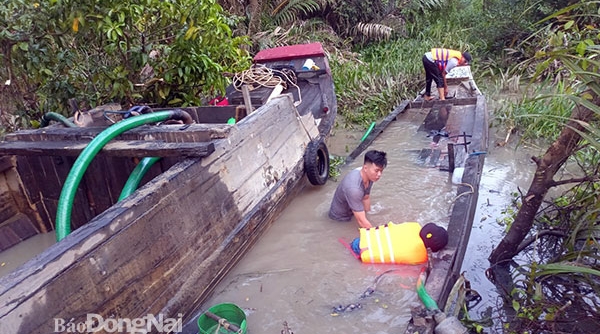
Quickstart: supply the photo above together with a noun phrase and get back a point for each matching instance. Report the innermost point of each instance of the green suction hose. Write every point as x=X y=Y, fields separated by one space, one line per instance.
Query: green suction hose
x=52 y=116
x=67 y=195
x=136 y=176
x=444 y=324
x=368 y=132
x=429 y=302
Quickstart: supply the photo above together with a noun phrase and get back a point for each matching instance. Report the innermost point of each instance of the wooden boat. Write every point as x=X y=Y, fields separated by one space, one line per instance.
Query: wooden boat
x=459 y=127
x=162 y=249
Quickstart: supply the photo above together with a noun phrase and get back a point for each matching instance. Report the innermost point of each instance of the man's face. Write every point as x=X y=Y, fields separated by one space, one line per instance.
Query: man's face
x=373 y=171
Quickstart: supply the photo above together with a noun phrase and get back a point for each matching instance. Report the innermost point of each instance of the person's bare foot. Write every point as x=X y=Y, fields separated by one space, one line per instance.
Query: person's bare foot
x=428 y=98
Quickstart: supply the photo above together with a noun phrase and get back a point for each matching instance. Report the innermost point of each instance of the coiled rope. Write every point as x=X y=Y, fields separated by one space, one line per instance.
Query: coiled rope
x=259 y=75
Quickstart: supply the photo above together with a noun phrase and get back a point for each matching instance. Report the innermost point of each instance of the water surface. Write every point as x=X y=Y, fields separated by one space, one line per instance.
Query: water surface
x=299 y=270
x=17 y=255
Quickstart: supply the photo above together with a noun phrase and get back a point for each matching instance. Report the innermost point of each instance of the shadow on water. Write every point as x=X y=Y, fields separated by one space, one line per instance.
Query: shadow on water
x=299 y=271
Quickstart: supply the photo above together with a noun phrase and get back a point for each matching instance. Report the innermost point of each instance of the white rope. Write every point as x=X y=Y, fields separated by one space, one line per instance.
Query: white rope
x=258 y=75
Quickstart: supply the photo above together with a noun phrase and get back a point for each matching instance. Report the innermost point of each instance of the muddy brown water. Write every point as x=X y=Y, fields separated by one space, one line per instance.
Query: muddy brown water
x=13 y=257
x=299 y=270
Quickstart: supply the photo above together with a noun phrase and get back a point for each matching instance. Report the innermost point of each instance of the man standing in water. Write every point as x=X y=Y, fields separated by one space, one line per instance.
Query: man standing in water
x=352 y=196
x=437 y=63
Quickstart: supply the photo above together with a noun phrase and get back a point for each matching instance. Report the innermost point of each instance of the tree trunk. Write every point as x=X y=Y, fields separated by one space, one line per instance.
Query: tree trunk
x=254 y=23
x=547 y=166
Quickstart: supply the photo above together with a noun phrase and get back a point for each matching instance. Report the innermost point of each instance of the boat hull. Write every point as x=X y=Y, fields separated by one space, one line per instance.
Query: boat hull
x=162 y=250
x=463 y=120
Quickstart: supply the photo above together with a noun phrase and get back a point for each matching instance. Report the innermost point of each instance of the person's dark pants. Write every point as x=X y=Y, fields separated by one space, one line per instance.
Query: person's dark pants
x=432 y=72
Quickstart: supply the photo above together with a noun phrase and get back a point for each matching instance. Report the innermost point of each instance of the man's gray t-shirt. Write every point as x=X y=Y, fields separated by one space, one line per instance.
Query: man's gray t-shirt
x=348 y=196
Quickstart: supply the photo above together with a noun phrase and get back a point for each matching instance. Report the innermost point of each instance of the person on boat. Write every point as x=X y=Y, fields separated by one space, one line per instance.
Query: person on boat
x=437 y=63
x=352 y=196
x=405 y=243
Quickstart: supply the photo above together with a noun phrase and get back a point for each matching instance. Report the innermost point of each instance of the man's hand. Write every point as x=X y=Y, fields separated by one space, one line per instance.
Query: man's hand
x=361 y=219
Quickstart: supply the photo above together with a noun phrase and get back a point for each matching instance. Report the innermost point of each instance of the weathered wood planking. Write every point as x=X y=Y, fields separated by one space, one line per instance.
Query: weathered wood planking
x=39 y=186
x=16 y=229
x=449 y=102
x=213 y=115
x=173 y=239
x=11 y=232
x=43 y=177
x=447 y=266
x=6 y=163
x=317 y=94
x=105 y=115
x=377 y=130
x=15 y=211
x=118 y=148
x=174 y=133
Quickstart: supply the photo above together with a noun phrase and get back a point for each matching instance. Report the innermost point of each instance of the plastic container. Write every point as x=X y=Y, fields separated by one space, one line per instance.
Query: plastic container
x=308 y=64
x=457 y=175
x=231 y=312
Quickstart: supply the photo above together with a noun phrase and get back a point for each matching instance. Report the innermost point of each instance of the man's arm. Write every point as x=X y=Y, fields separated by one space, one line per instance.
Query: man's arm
x=367 y=202
x=361 y=218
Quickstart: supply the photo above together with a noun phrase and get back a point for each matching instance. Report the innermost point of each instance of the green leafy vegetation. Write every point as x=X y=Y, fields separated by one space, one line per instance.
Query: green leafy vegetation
x=369 y=86
x=560 y=278
x=161 y=53
x=541 y=56
x=335 y=163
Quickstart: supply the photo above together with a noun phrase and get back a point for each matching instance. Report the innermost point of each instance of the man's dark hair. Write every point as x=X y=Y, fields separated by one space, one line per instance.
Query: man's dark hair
x=376 y=157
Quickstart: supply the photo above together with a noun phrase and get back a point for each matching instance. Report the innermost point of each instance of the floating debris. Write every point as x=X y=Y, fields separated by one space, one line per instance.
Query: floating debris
x=286 y=329
x=341 y=309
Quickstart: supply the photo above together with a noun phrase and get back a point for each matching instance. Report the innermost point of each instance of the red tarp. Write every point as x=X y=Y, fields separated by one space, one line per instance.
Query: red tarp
x=290 y=52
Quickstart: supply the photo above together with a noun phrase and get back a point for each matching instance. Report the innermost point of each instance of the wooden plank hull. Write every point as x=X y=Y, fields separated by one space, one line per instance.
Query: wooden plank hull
x=465 y=114
x=163 y=249
x=466 y=124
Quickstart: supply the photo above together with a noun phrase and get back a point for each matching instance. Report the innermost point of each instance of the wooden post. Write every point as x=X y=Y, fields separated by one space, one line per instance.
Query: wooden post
x=247 y=101
x=451 y=157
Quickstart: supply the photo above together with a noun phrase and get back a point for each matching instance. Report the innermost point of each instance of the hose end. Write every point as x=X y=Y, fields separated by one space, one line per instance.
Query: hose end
x=182 y=115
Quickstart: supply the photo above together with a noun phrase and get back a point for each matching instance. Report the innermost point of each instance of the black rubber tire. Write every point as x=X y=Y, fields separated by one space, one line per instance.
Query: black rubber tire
x=316 y=162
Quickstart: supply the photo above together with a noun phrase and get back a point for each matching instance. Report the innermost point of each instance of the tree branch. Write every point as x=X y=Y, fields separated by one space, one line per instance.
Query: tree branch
x=567 y=181
x=528 y=241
